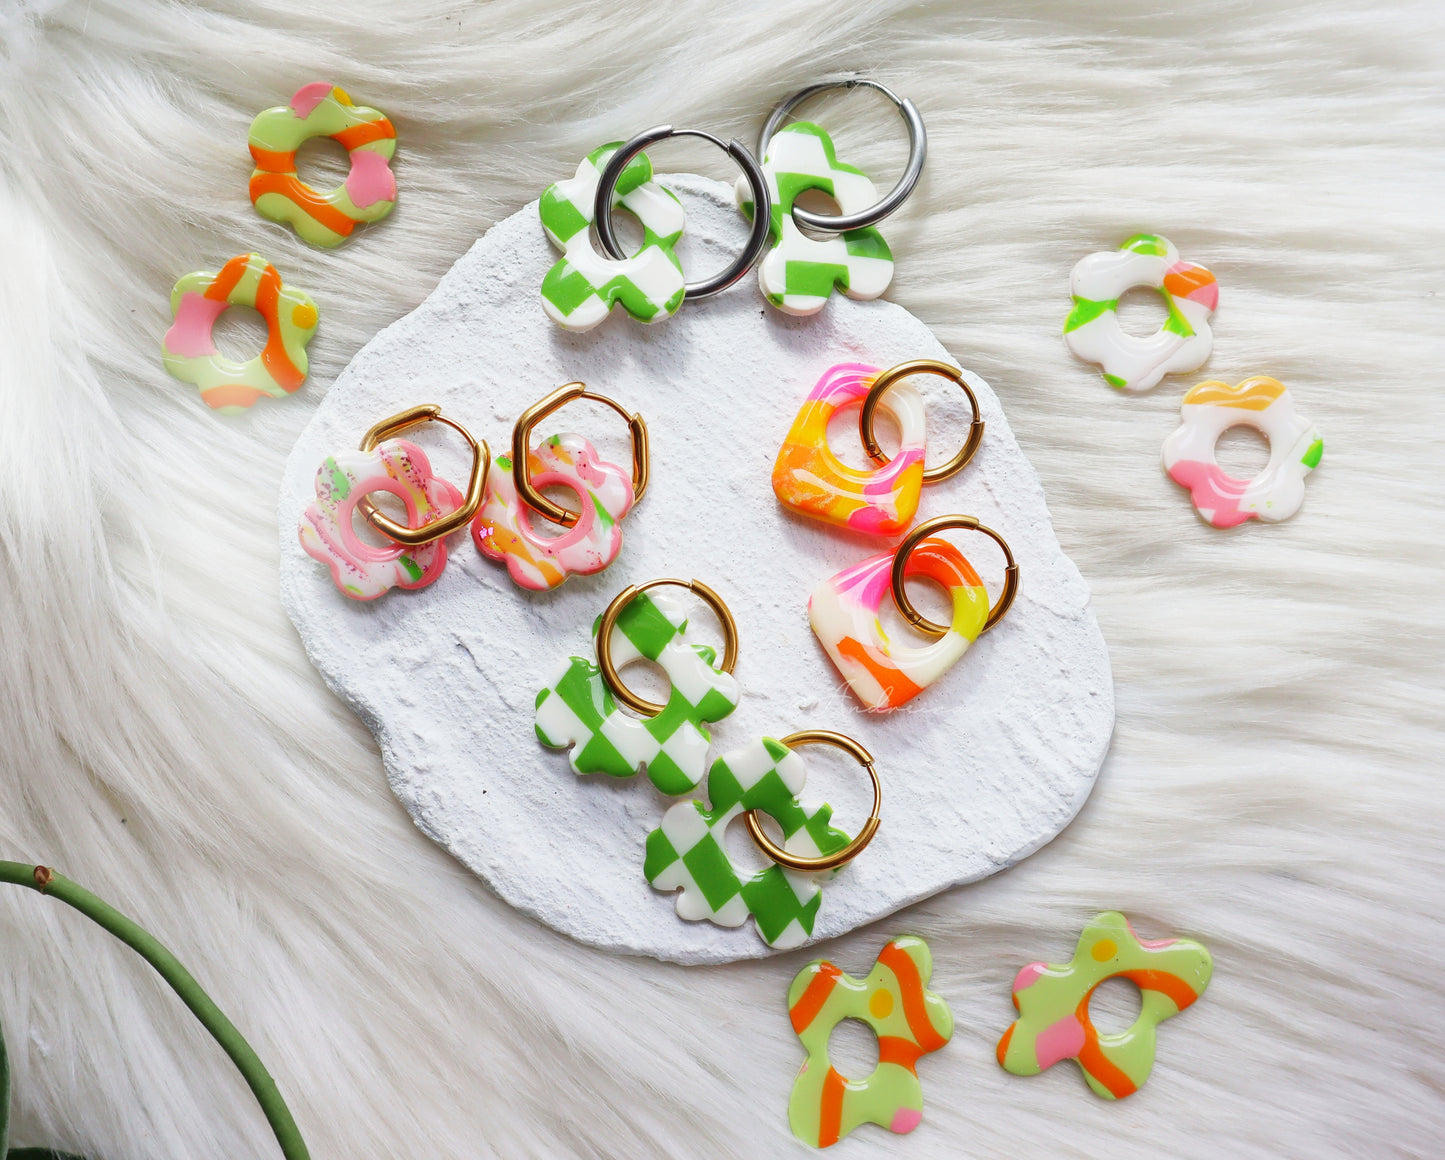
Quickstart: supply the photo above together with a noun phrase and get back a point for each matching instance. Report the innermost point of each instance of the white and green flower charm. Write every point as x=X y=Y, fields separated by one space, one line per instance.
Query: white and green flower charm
x=582 y=288
x=799 y=273
x=688 y=851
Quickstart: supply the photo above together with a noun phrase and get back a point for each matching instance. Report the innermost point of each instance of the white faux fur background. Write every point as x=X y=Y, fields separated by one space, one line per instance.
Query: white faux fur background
x=1273 y=787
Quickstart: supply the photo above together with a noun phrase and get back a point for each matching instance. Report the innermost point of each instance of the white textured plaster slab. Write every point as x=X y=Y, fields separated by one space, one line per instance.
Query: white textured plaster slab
x=980 y=770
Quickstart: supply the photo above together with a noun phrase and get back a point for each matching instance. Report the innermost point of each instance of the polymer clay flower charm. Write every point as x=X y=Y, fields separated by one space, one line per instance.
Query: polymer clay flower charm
x=1295 y=448
x=503 y=528
x=1053 y=1005
x=909 y=1020
x=361 y=570
x=322 y=110
x=843 y=611
x=581 y=289
x=577 y=708
x=1130 y=363
x=809 y=478
x=189 y=348
x=688 y=852
x=798 y=273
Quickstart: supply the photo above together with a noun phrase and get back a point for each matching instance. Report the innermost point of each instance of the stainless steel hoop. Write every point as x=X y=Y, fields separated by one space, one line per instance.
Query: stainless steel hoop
x=762 y=212
x=917 y=152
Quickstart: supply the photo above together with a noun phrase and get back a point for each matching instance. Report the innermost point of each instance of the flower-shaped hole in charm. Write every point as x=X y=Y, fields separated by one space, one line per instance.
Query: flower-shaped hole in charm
x=582 y=288
x=909 y=1020
x=843 y=611
x=189 y=346
x=577 y=709
x=1295 y=448
x=810 y=479
x=1130 y=363
x=361 y=570
x=1053 y=1005
x=278 y=193
x=799 y=272
x=688 y=851
x=503 y=528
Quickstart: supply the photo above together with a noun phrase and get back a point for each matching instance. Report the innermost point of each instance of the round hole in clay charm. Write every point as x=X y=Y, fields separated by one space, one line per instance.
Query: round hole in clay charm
x=321 y=110
x=1295 y=448
x=1053 y=1005
x=189 y=352
x=910 y=1021
x=1129 y=362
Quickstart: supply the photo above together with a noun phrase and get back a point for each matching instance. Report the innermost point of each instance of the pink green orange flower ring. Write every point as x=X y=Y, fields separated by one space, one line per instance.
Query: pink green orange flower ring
x=361 y=570
x=367 y=195
x=1295 y=448
x=1130 y=363
x=1053 y=1005
x=909 y=1020
x=799 y=273
x=503 y=527
x=843 y=611
x=189 y=349
x=583 y=287
x=688 y=851
x=809 y=478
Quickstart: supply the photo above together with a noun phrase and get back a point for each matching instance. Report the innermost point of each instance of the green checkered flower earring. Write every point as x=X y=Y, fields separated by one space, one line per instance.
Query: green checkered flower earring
x=800 y=271
x=688 y=851
x=579 y=707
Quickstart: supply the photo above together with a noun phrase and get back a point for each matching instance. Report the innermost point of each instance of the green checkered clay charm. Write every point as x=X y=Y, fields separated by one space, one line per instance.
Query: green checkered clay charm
x=579 y=707
x=688 y=851
x=582 y=288
x=799 y=273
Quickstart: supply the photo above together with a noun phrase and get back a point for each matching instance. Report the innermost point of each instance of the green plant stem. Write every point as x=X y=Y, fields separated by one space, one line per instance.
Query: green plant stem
x=254 y=1072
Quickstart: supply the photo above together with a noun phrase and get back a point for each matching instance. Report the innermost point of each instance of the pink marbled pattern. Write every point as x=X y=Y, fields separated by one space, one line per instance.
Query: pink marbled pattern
x=190 y=334
x=307 y=97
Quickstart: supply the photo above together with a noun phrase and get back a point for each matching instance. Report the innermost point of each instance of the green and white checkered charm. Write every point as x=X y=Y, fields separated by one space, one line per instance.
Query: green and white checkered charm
x=578 y=710
x=688 y=852
x=799 y=273
x=581 y=289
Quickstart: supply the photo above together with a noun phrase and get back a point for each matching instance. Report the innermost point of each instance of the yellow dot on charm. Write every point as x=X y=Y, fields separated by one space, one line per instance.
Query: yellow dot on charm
x=341 y=95
x=1104 y=950
x=304 y=316
x=881 y=1004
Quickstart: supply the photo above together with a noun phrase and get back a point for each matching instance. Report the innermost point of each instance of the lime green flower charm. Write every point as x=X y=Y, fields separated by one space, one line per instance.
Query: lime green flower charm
x=909 y=1020
x=1053 y=1005
x=582 y=288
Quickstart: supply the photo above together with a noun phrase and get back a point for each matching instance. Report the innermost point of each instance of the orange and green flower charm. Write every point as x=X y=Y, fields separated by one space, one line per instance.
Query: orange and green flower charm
x=189 y=350
x=909 y=1020
x=322 y=110
x=1053 y=1005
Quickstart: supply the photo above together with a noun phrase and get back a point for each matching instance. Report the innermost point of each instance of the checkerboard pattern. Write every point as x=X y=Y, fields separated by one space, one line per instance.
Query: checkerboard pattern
x=581 y=289
x=688 y=853
x=799 y=273
x=576 y=709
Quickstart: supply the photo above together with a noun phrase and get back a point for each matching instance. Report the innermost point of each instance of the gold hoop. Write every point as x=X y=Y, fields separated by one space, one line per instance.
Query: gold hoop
x=609 y=621
x=476 y=485
x=865 y=835
x=941 y=523
x=534 y=414
x=917 y=367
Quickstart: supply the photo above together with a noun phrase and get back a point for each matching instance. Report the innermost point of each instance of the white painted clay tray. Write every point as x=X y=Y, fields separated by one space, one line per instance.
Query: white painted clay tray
x=978 y=771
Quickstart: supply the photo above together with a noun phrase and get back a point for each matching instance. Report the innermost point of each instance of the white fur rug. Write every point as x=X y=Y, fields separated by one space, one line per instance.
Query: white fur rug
x=1273 y=787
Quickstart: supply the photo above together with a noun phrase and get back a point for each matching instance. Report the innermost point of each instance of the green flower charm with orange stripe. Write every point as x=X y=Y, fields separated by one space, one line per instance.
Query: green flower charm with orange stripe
x=909 y=1020
x=322 y=110
x=1053 y=1005
x=189 y=350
